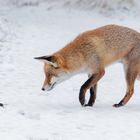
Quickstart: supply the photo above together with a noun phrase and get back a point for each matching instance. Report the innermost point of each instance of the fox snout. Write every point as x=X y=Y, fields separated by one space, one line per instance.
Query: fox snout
x=48 y=87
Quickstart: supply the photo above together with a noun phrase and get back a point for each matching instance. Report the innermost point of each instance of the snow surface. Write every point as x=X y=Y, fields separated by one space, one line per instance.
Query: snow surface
x=31 y=114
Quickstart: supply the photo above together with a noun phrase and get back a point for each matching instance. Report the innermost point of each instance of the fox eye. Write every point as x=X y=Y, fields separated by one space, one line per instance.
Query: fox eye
x=57 y=67
x=54 y=67
x=50 y=75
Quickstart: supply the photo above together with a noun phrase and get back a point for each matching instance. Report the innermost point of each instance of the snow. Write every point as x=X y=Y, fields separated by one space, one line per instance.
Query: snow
x=31 y=114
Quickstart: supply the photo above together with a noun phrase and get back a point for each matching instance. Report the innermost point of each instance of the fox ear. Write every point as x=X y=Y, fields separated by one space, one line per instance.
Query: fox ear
x=47 y=59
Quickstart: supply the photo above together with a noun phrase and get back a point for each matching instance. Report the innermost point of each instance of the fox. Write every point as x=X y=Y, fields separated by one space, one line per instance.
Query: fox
x=90 y=53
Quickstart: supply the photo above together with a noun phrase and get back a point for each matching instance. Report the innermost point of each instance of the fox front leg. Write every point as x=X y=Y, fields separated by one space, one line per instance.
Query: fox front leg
x=93 y=91
x=88 y=84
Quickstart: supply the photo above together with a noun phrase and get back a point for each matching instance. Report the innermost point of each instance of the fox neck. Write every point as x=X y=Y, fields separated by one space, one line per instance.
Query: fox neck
x=70 y=74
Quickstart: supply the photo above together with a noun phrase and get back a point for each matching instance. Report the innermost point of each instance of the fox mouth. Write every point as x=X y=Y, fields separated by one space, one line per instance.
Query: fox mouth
x=51 y=87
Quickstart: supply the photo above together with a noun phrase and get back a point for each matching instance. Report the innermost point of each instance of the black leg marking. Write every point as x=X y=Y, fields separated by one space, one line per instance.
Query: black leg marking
x=88 y=84
x=92 y=98
x=84 y=89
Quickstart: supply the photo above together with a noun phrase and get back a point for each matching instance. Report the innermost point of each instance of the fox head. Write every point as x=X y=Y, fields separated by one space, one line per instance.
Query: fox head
x=54 y=71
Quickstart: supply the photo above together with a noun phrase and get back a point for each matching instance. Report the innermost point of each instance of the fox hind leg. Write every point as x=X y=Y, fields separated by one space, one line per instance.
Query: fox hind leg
x=131 y=75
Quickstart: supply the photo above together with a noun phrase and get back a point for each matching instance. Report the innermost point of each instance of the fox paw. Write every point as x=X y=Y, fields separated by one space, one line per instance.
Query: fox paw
x=82 y=101
x=121 y=103
x=88 y=105
x=117 y=105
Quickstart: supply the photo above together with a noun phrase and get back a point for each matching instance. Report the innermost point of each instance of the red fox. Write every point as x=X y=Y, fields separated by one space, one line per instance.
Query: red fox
x=90 y=52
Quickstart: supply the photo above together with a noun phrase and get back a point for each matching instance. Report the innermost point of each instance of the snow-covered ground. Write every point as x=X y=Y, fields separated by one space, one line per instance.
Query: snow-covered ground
x=31 y=114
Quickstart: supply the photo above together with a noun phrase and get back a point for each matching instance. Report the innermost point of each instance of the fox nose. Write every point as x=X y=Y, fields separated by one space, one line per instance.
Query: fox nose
x=43 y=89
